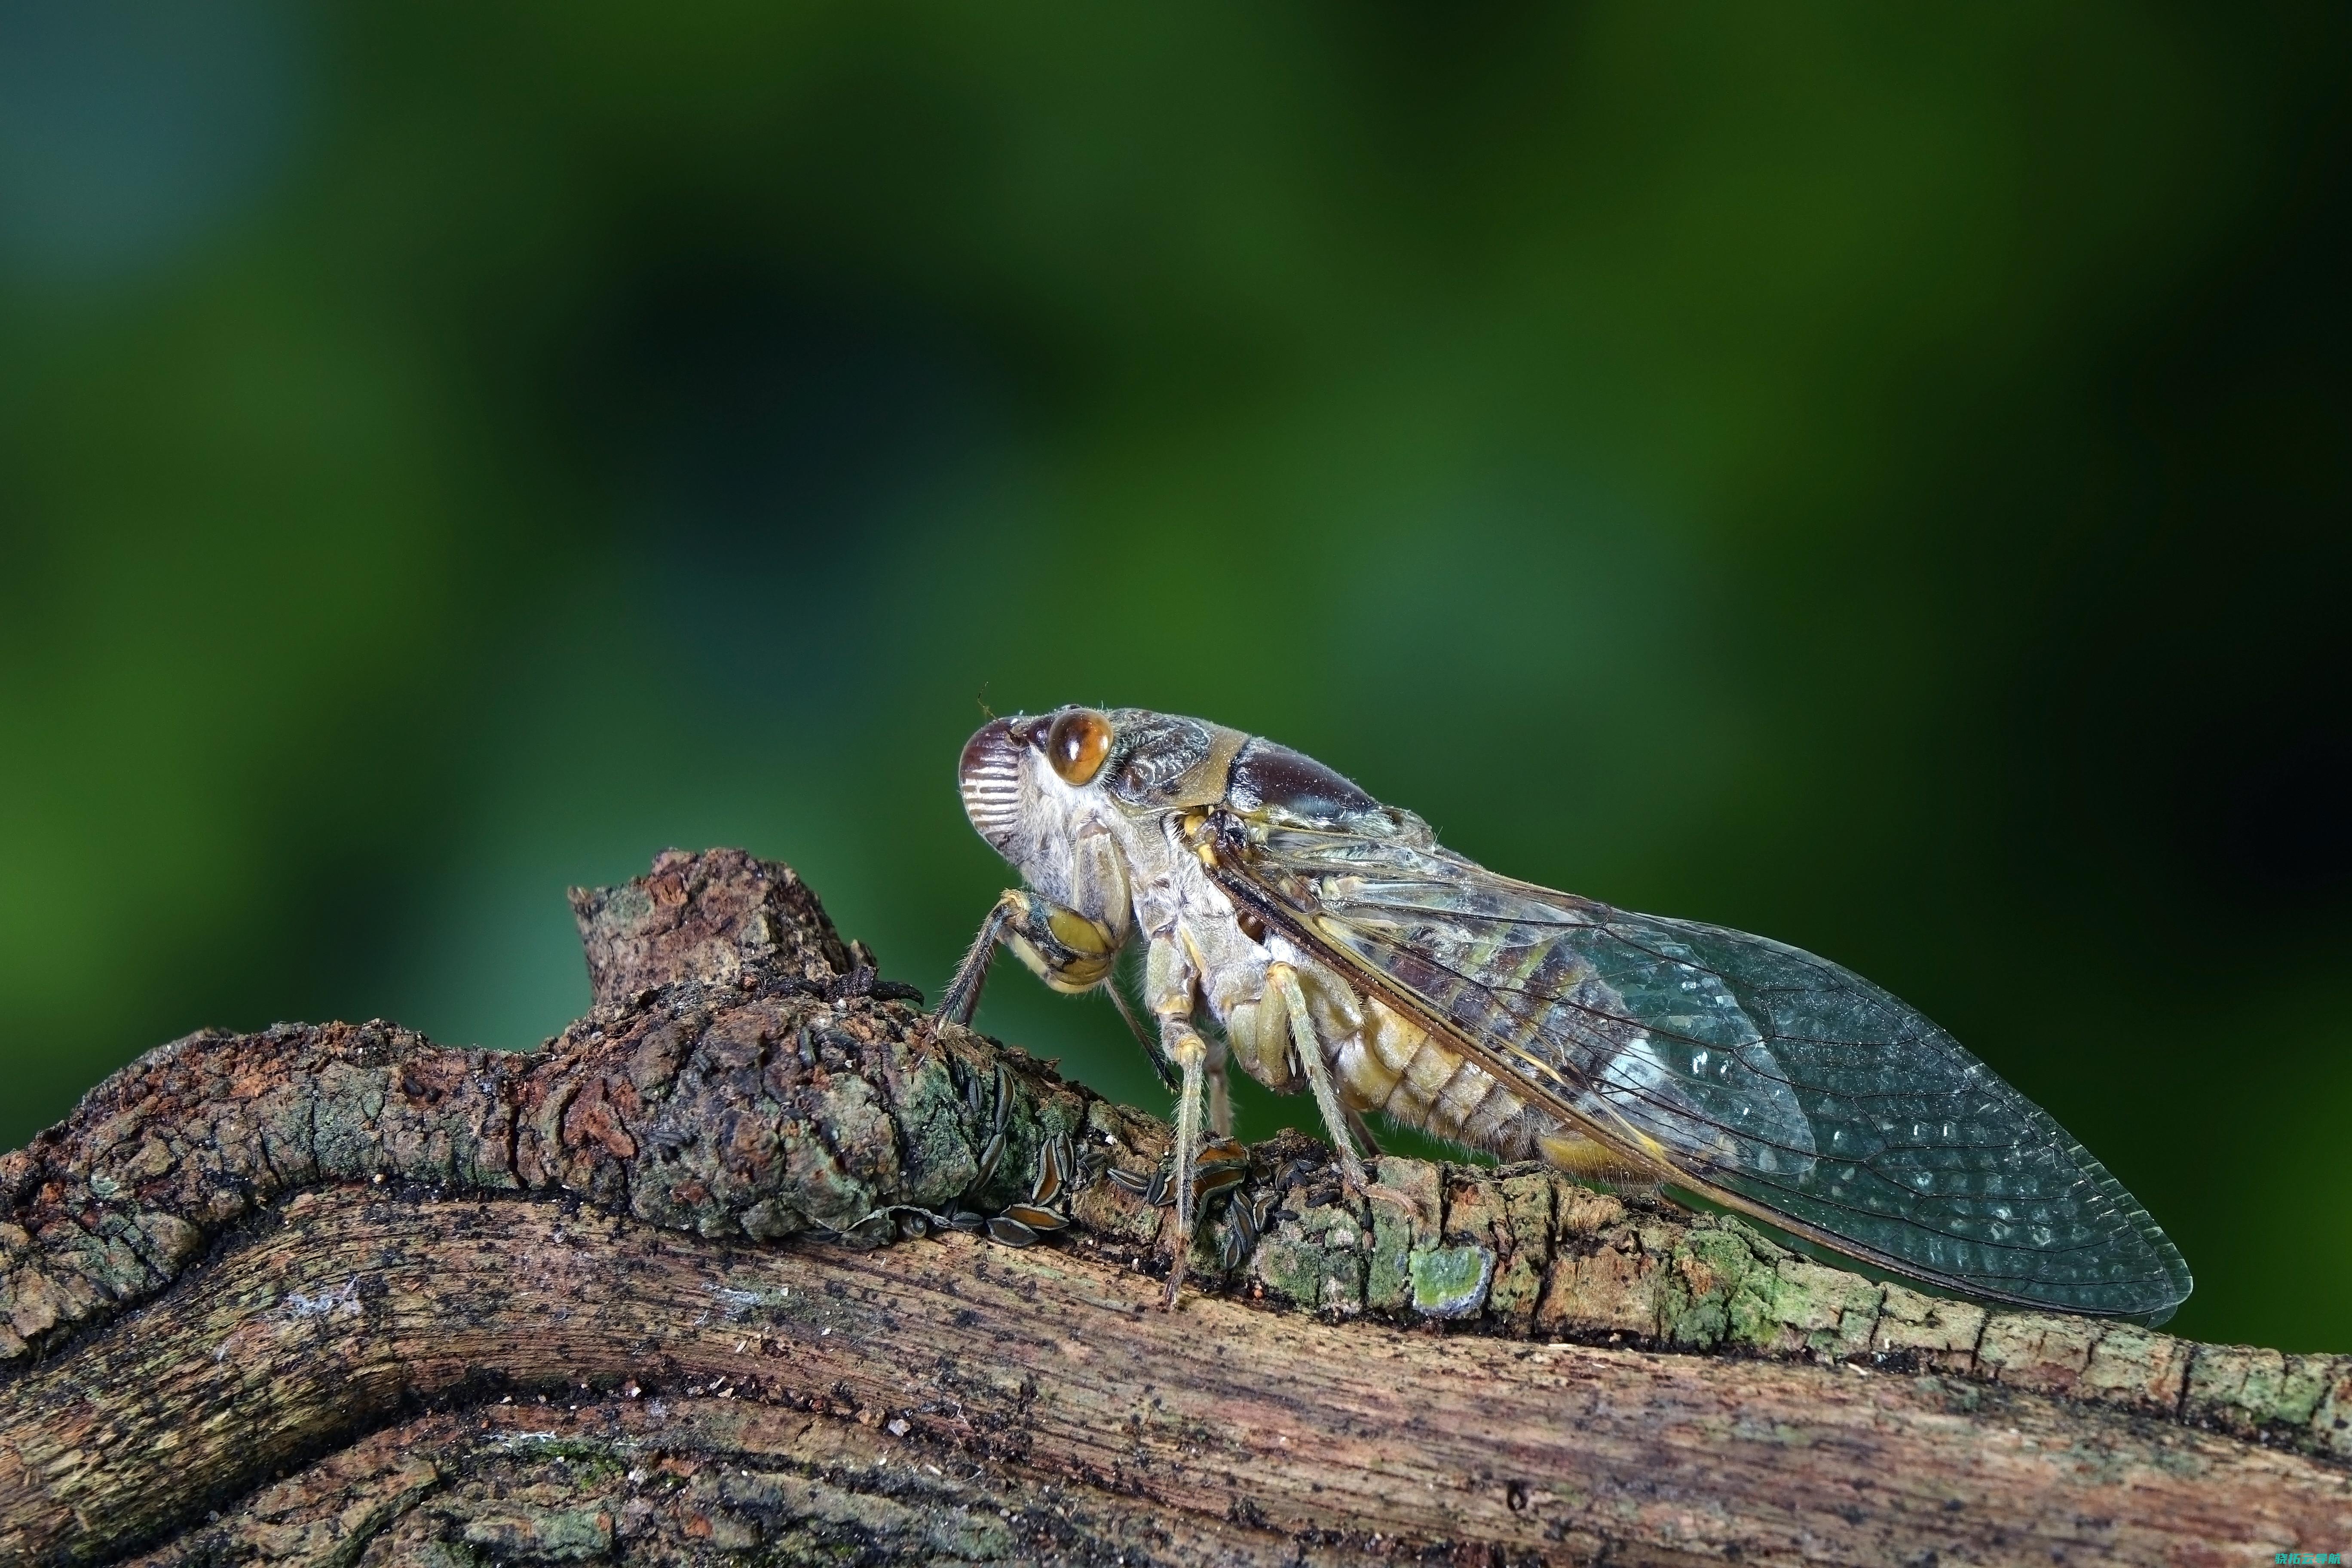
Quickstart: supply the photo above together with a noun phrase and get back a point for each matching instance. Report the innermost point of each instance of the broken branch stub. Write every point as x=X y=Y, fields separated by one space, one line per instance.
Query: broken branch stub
x=246 y=1252
x=706 y=920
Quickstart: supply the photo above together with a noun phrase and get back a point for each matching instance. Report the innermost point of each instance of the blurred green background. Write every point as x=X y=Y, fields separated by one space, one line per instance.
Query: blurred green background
x=1873 y=478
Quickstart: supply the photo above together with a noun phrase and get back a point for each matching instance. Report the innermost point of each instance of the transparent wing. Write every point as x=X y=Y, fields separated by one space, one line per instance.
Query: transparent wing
x=1772 y=1079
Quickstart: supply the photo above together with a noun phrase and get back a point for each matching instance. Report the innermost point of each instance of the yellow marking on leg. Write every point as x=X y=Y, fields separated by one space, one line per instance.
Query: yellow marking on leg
x=1078 y=934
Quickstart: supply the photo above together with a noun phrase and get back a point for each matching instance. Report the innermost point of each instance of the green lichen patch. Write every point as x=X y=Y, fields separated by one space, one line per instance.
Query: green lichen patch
x=540 y=1534
x=1315 y=1255
x=1451 y=1281
x=1717 y=1291
x=937 y=1151
x=2249 y=1390
x=1820 y=1311
x=1414 y=1191
x=1387 y=1271
x=1407 y=1213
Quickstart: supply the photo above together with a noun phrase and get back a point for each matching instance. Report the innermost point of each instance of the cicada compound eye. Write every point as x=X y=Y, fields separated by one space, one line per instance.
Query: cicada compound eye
x=1078 y=744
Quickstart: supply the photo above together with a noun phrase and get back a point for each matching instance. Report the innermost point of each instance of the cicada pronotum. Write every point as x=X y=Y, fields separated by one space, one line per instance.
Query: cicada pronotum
x=1340 y=949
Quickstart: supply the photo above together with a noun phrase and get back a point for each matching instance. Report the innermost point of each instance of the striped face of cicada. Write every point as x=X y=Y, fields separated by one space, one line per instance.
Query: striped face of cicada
x=1032 y=787
x=1038 y=787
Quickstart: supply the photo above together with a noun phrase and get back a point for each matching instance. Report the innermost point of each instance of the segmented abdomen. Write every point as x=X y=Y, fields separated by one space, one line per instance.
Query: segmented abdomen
x=1392 y=1067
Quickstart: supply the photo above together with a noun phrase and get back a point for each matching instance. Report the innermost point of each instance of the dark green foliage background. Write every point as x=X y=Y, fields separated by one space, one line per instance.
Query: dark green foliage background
x=1877 y=479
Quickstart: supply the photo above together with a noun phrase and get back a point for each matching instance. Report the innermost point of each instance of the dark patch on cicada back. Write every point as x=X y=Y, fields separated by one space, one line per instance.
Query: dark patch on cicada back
x=1267 y=774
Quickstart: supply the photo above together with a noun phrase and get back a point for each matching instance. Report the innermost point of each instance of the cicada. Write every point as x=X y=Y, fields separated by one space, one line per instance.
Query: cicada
x=1327 y=943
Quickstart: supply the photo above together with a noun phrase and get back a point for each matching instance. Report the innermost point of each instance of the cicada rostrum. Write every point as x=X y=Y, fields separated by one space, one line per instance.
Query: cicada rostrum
x=1338 y=949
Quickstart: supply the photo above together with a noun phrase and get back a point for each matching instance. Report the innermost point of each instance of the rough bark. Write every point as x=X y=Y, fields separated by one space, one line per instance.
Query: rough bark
x=335 y=1294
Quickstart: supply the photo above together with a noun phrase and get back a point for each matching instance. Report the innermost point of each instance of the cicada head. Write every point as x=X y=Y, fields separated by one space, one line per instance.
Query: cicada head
x=1032 y=785
x=1029 y=787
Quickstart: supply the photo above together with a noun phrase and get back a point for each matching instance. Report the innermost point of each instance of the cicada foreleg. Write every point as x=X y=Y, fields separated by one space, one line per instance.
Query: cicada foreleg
x=1069 y=951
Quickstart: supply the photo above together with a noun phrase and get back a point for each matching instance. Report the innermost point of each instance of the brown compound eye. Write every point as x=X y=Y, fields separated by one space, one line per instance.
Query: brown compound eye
x=1078 y=744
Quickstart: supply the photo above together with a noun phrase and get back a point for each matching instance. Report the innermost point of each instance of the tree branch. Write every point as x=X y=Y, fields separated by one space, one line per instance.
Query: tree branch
x=336 y=1294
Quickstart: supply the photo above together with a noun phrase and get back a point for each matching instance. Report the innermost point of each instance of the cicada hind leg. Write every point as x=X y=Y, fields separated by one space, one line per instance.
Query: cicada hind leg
x=1339 y=1120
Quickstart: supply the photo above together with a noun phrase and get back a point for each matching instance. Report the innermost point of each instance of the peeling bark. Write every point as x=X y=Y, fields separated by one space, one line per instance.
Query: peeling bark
x=334 y=1294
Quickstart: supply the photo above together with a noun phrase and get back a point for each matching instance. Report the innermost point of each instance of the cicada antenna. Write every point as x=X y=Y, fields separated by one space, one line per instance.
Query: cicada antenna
x=980 y=697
